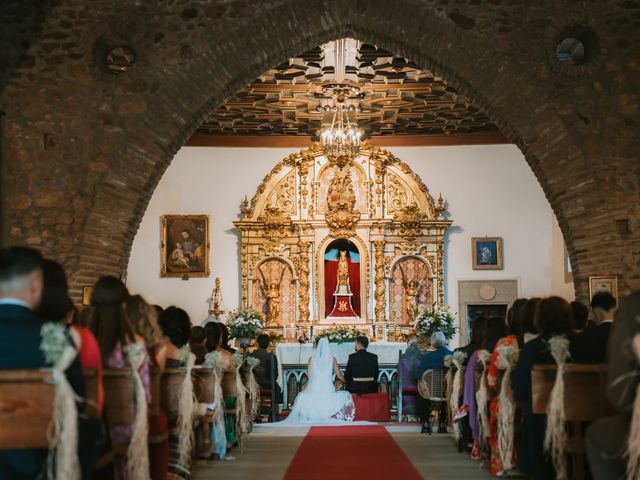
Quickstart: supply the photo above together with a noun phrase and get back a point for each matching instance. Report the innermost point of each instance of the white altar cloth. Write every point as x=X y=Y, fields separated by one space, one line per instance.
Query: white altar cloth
x=299 y=354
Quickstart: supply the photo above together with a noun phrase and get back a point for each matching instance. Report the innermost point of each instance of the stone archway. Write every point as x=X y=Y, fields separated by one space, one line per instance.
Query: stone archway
x=106 y=140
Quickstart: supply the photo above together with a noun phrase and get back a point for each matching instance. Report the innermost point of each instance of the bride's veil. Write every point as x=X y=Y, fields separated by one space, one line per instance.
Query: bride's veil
x=321 y=366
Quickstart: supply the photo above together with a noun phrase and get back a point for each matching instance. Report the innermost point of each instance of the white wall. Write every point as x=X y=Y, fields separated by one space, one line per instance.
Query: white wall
x=490 y=191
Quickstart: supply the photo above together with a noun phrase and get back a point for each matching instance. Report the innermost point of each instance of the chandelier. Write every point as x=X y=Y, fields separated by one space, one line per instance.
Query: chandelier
x=341 y=141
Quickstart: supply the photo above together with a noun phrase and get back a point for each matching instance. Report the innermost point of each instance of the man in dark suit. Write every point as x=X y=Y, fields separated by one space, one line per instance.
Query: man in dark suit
x=607 y=438
x=590 y=346
x=361 y=374
x=21 y=285
x=268 y=361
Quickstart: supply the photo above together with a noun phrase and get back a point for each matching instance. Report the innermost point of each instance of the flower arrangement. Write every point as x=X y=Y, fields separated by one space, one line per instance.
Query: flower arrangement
x=438 y=319
x=245 y=323
x=339 y=334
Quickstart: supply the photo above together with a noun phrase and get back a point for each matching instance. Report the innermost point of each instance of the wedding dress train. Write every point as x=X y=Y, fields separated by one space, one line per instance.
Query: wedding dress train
x=319 y=403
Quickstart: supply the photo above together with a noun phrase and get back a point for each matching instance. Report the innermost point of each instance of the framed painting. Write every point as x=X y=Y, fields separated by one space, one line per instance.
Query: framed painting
x=486 y=253
x=86 y=295
x=185 y=246
x=603 y=284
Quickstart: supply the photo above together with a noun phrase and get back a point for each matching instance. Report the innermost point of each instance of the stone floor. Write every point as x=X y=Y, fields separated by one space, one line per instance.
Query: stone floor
x=269 y=451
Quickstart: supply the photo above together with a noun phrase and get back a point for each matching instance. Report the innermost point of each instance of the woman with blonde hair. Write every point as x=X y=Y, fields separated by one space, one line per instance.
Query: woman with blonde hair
x=143 y=318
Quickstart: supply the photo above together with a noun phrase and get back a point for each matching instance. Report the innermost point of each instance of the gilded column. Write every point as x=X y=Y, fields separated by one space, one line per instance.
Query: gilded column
x=379 y=293
x=303 y=276
x=245 y=276
x=440 y=266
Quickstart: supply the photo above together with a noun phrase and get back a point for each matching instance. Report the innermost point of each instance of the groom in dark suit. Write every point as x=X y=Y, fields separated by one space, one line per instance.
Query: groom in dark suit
x=361 y=374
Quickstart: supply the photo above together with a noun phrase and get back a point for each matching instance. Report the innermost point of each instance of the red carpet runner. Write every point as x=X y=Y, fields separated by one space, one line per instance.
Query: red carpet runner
x=352 y=453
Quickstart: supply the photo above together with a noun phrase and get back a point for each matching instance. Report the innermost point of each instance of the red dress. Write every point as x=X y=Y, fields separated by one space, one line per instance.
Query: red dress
x=90 y=359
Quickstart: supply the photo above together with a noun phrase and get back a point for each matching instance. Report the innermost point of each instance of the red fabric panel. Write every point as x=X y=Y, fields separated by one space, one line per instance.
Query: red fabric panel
x=372 y=407
x=331 y=282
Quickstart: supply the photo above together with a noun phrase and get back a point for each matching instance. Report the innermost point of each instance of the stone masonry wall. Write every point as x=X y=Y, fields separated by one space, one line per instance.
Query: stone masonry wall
x=83 y=149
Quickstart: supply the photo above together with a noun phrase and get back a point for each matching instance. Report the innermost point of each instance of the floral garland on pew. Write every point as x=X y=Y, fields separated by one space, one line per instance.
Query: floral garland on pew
x=138 y=452
x=456 y=360
x=242 y=426
x=555 y=438
x=213 y=361
x=506 y=360
x=252 y=387
x=63 y=432
x=633 y=443
x=186 y=407
x=482 y=396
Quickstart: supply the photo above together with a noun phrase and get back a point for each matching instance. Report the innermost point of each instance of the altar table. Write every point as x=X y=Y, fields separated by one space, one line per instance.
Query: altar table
x=293 y=359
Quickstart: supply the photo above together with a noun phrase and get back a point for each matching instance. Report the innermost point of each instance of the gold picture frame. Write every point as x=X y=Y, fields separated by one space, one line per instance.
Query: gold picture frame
x=86 y=295
x=604 y=283
x=486 y=253
x=185 y=246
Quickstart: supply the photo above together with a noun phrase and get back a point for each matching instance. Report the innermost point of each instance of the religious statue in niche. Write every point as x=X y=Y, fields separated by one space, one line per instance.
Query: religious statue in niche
x=185 y=246
x=343 y=274
x=342 y=279
x=411 y=290
x=271 y=291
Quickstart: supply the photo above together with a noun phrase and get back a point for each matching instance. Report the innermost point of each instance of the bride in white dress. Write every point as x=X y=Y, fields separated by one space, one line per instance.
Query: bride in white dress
x=319 y=403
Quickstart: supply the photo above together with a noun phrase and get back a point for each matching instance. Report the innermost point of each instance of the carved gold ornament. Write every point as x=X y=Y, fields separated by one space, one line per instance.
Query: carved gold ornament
x=341 y=215
x=409 y=218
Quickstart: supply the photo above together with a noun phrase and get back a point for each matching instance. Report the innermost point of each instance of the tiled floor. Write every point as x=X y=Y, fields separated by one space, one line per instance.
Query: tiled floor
x=269 y=451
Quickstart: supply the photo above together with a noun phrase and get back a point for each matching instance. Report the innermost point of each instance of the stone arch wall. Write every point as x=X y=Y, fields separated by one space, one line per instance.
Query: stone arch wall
x=83 y=150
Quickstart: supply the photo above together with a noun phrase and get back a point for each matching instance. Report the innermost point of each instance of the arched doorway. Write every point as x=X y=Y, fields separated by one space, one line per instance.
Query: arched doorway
x=120 y=149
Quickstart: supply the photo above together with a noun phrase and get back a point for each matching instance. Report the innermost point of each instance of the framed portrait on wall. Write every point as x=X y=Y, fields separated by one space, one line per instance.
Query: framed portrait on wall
x=486 y=253
x=603 y=284
x=185 y=246
x=86 y=295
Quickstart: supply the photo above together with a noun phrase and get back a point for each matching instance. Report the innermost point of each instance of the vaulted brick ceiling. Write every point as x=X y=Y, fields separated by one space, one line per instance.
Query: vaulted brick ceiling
x=399 y=98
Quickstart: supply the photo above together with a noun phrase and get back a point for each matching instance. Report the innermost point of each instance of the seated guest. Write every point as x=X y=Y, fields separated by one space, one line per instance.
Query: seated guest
x=477 y=332
x=552 y=317
x=225 y=339
x=56 y=306
x=144 y=320
x=529 y=331
x=268 y=361
x=361 y=374
x=21 y=282
x=579 y=316
x=591 y=345
x=515 y=340
x=176 y=328
x=496 y=329
x=214 y=344
x=607 y=439
x=410 y=361
x=109 y=323
x=197 y=340
x=431 y=361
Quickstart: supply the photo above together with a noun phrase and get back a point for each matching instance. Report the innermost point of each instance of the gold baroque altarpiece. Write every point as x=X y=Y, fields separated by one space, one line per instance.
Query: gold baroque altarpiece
x=377 y=204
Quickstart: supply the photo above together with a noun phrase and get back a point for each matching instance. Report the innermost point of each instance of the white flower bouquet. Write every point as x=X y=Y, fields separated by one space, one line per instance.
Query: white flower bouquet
x=339 y=334
x=438 y=319
x=245 y=323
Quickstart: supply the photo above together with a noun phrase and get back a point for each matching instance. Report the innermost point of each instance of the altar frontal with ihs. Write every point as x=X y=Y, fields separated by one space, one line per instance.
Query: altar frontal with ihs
x=357 y=243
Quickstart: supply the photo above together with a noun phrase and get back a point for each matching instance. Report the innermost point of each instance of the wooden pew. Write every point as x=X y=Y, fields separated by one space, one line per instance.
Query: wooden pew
x=585 y=401
x=25 y=408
